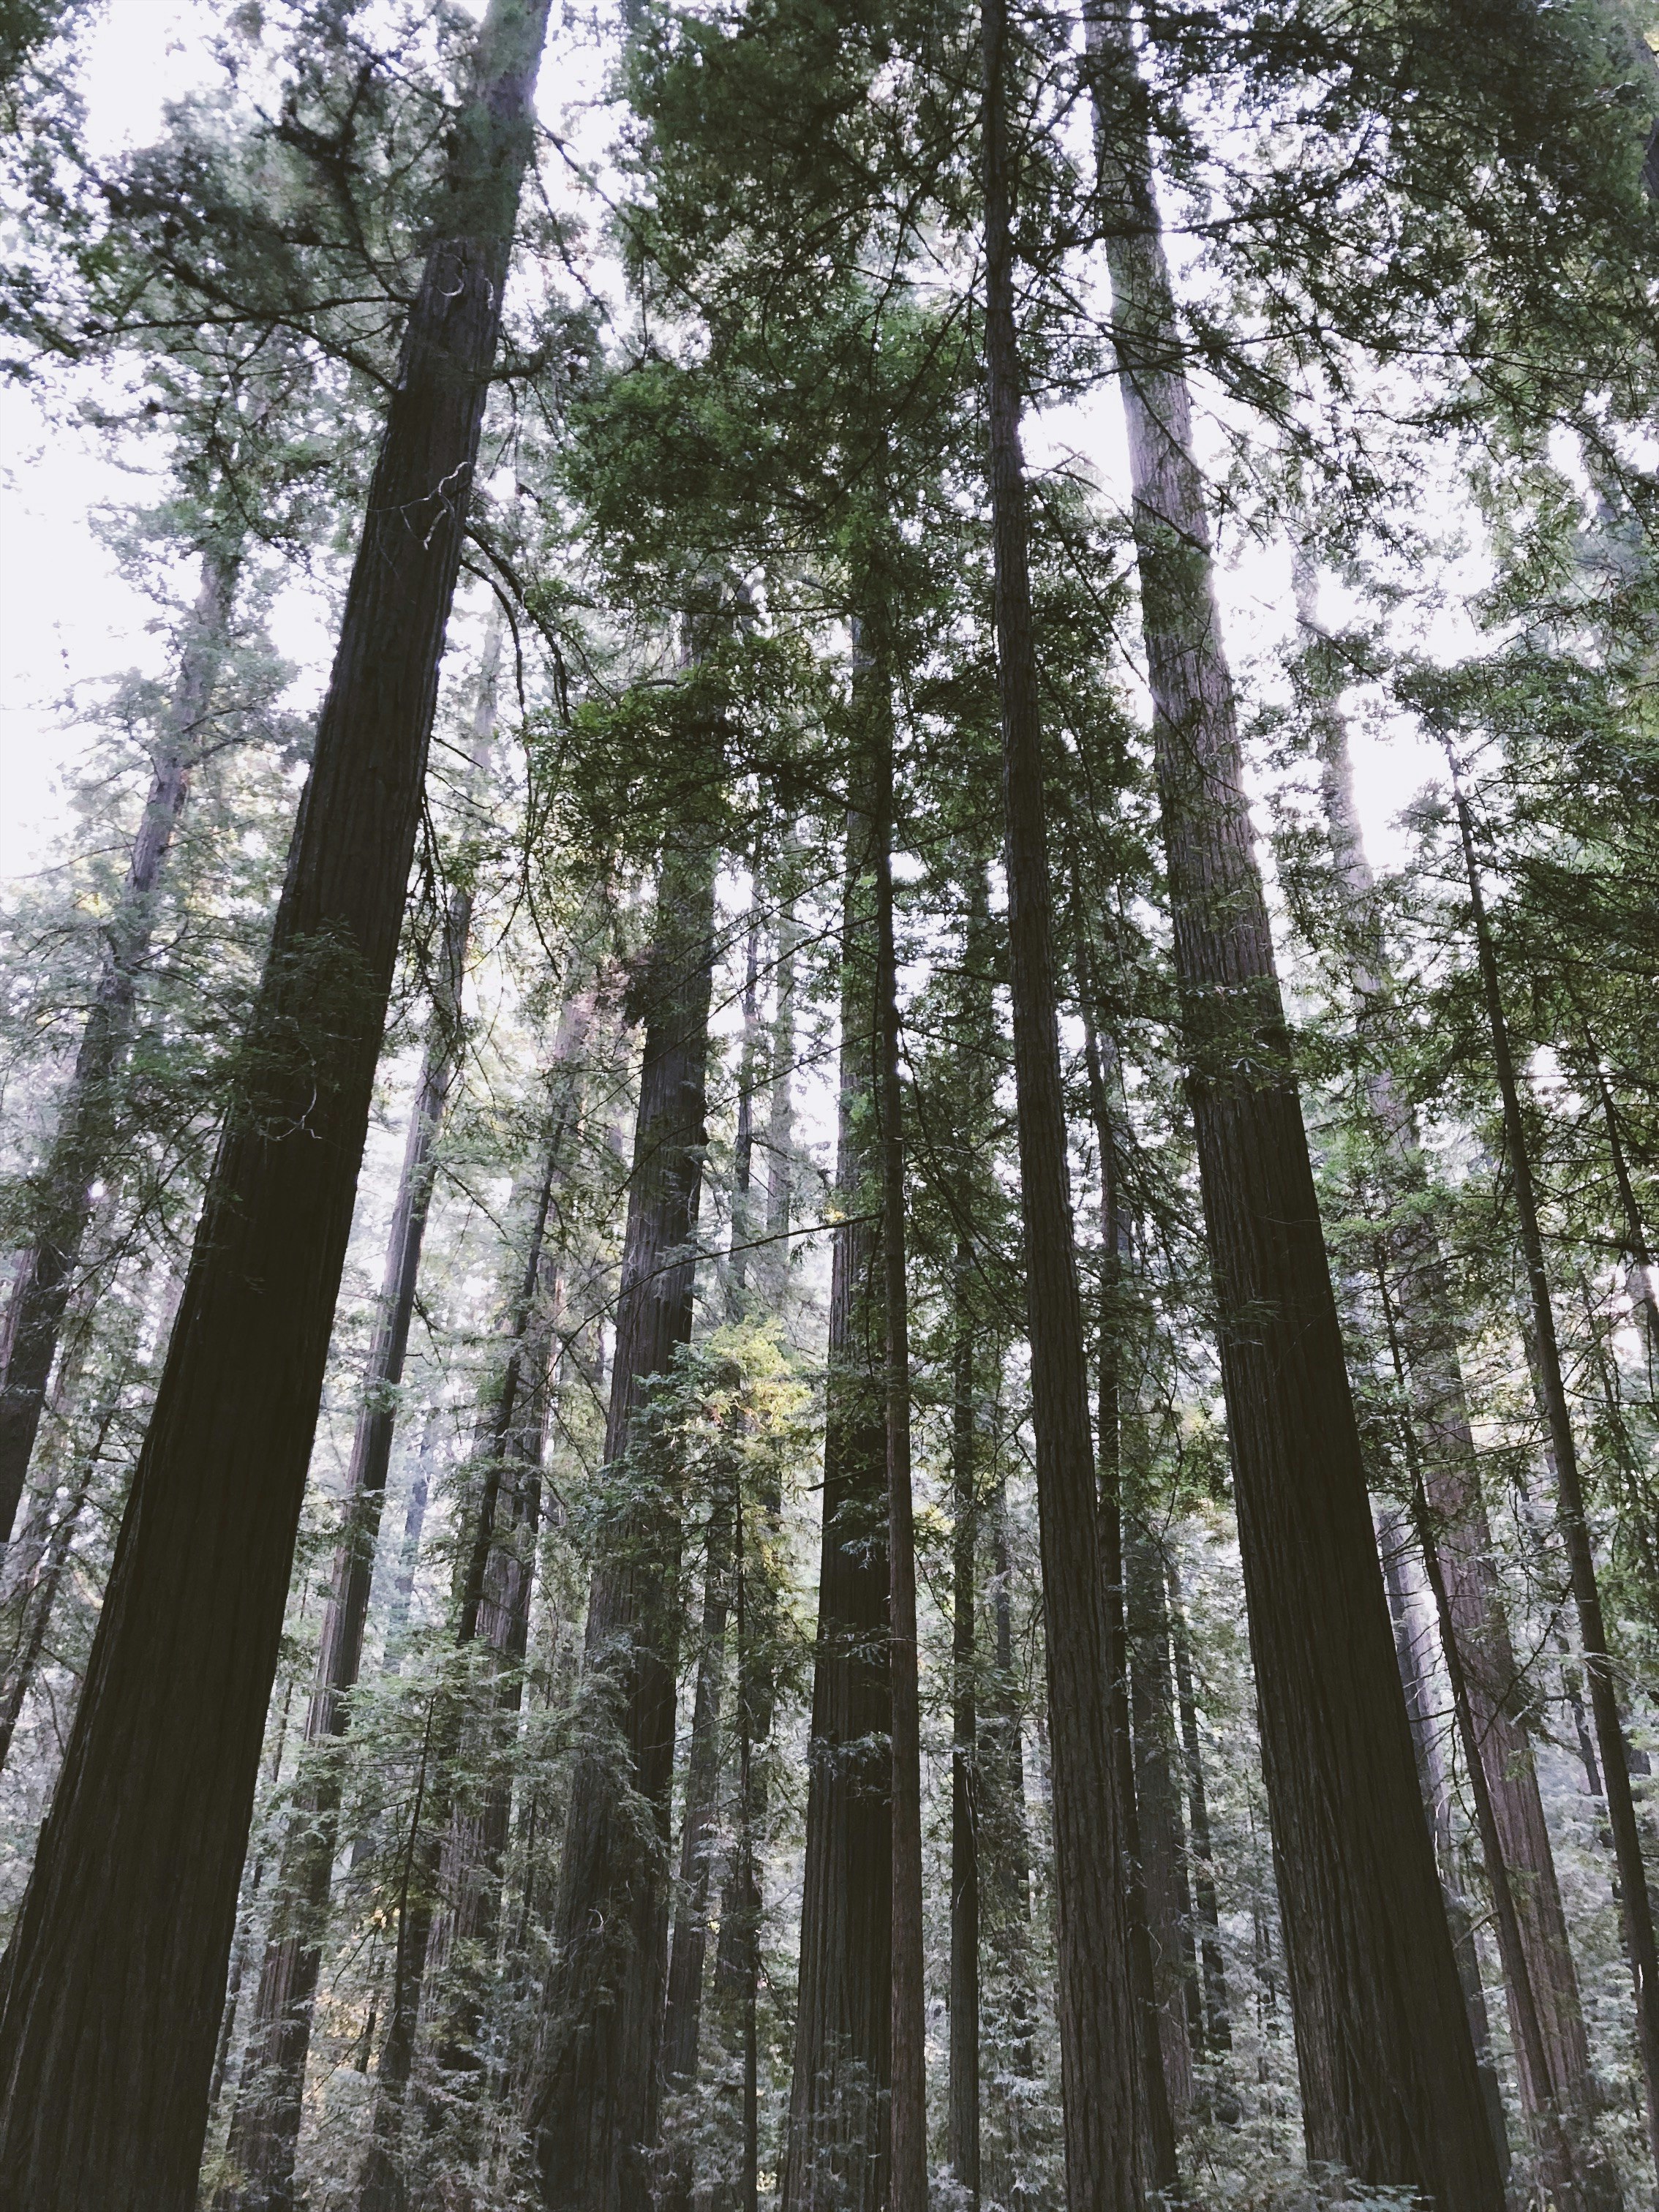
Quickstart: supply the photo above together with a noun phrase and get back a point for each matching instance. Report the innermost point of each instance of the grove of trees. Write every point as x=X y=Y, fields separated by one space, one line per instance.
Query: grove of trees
x=831 y=1352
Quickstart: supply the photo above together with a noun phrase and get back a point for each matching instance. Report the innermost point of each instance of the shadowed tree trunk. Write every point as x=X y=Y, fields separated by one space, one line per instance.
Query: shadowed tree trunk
x=963 y=2129
x=688 y=1949
x=837 y=2157
x=1158 y=1804
x=1413 y=1280
x=595 y=2109
x=87 y=1119
x=1635 y=1904
x=908 y=2123
x=1390 y=2084
x=265 y=2128
x=1096 y=2005
x=1217 y=2023
x=113 y=1982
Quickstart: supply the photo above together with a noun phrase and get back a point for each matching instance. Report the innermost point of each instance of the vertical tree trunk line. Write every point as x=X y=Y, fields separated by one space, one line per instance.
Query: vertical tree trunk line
x=264 y=2126
x=113 y=1982
x=1162 y=1838
x=1414 y=1276
x=1096 y=2003
x=1635 y=1902
x=1217 y=2022
x=80 y=1148
x=836 y=2152
x=594 y=2109
x=963 y=2128
x=1389 y=2085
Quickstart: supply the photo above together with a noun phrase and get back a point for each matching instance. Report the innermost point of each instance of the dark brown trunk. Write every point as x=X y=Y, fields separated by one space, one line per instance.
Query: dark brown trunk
x=114 y=1979
x=1155 y=2118
x=1389 y=2085
x=1096 y=2005
x=963 y=2127
x=87 y=1119
x=836 y=2155
x=744 y=1232
x=1636 y=1904
x=1217 y=2021
x=1157 y=1801
x=1413 y=1283
x=908 y=2178
x=688 y=1950
x=265 y=2128
x=1410 y=1637
x=595 y=2108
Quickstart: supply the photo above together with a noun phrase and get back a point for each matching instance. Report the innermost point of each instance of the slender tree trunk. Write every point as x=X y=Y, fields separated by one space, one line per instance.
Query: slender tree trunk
x=87 y=1118
x=688 y=1949
x=837 y=2155
x=130 y=1908
x=1095 y=2004
x=1157 y=1802
x=1389 y=2085
x=963 y=2129
x=264 y=2129
x=1218 y=2020
x=781 y=1113
x=1413 y=1282
x=1153 y=2090
x=743 y=1150
x=39 y=1595
x=1410 y=1635
x=1635 y=1902
x=908 y=2181
x=595 y=2111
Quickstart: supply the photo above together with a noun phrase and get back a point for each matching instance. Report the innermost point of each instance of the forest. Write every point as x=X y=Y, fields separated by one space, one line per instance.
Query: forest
x=829 y=1168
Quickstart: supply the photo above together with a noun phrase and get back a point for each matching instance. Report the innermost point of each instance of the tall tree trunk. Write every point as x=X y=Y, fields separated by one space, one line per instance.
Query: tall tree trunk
x=908 y=2178
x=743 y=1150
x=963 y=2129
x=87 y=1118
x=1158 y=1804
x=1153 y=2089
x=130 y=1907
x=1635 y=1902
x=38 y=1594
x=1096 y=2005
x=1217 y=2021
x=837 y=2155
x=265 y=2128
x=1409 y=1638
x=687 y=1951
x=1414 y=1284
x=595 y=2110
x=1389 y=2085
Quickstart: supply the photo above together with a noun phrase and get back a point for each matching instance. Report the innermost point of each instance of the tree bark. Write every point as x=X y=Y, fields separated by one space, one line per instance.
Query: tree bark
x=1635 y=1903
x=113 y=1982
x=265 y=2128
x=1158 y=1803
x=1218 y=2021
x=1390 y=2084
x=908 y=2178
x=963 y=2128
x=595 y=2110
x=87 y=1121
x=1414 y=1283
x=1096 y=2005
x=837 y=2155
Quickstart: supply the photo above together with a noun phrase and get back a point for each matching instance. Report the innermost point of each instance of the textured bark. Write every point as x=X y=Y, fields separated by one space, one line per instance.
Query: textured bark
x=907 y=2188
x=1636 y=1905
x=1416 y=1283
x=1157 y=1802
x=595 y=2110
x=1217 y=2022
x=1390 y=2084
x=1095 y=2005
x=264 y=2129
x=89 y=1116
x=688 y=1950
x=1410 y=1638
x=963 y=2131
x=113 y=1982
x=837 y=2157
x=1153 y=2092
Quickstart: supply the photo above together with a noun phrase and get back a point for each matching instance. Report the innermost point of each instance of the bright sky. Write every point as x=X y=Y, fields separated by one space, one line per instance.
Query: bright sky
x=67 y=620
